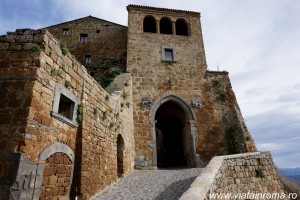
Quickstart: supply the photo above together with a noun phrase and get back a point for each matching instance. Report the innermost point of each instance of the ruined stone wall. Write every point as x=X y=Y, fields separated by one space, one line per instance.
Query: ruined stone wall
x=234 y=136
x=88 y=138
x=248 y=173
x=186 y=79
x=106 y=40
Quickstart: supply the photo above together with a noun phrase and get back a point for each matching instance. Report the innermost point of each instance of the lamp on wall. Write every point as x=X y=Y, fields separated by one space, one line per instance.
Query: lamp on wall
x=146 y=101
x=196 y=102
x=170 y=83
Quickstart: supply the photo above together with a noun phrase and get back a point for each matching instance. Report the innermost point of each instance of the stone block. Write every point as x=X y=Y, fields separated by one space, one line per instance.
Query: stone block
x=61 y=170
x=15 y=195
x=38 y=38
x=58 y=159
x=24 y=38
x=49 y=171
x=26 y=184
x=52 y=180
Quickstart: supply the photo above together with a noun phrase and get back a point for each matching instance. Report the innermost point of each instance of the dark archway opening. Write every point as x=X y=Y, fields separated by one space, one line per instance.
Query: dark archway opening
x=181 y=27
x=120 y=156
x=171 y=136
x=149 y=24
x=165 y=26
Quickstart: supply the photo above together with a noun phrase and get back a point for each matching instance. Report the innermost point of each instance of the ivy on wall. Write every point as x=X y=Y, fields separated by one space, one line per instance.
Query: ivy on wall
x=233 y=146
x=105 y=72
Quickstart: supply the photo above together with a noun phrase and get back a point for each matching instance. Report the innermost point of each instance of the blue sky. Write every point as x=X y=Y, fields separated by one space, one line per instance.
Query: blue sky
x=257 y=41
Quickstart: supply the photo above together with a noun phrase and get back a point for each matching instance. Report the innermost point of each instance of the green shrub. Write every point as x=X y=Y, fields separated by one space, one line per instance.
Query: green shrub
x=80 y=109
x=64 y=49
x=55 y=72
x=36 y=47
x=67 y=84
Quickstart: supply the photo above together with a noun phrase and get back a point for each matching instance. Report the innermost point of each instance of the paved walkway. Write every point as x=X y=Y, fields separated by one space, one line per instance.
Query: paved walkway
x=165 y=184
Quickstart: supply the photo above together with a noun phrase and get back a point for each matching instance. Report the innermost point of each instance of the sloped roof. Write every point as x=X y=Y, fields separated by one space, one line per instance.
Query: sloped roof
x=92 y=17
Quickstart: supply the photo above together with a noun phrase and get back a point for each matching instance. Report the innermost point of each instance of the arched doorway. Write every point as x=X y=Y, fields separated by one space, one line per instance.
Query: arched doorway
x=170 y=111
x=56 y=180
x=57 y=165
x=120 y=156
x=172 y=138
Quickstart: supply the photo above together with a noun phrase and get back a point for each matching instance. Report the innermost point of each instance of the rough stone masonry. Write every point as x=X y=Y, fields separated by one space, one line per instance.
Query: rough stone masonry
x=60 y=130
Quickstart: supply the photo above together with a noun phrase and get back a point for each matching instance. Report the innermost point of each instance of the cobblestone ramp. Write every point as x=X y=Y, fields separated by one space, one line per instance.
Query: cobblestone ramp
x=164 y=184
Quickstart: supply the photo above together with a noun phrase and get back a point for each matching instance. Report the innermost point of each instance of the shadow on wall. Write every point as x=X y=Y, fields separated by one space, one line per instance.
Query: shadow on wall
x=234 y=133
x=75 y=189
x=176 y=189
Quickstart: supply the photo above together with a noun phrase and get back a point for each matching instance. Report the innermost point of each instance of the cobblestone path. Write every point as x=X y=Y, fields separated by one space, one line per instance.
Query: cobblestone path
x=164 y=184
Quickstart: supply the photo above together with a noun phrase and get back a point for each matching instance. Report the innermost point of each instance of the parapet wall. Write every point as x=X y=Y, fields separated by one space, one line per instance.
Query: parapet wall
x=241 y=173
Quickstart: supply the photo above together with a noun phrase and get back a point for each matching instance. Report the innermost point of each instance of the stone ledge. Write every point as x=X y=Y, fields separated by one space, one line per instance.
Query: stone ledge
x=202 y=185
x=63 y=119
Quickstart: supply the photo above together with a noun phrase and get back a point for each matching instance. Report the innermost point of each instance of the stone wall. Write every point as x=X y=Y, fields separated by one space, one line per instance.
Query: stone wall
x=106 y=40
x=35 y=76
x=241 y=173
x=18 y=69
x=235 y=136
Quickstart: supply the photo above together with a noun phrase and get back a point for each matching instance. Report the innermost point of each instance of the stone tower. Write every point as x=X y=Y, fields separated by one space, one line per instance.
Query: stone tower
x=182 y=112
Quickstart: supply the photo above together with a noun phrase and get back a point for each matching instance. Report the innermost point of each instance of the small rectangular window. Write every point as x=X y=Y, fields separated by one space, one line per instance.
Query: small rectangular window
x=65 y=104
x=66 y=107
x=88 y=59
x=65 y=31
x=168 y=54
x=83 y=38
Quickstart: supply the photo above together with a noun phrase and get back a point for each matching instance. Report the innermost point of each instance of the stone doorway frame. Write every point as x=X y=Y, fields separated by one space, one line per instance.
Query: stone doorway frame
x=196 y=162
x=56 y=147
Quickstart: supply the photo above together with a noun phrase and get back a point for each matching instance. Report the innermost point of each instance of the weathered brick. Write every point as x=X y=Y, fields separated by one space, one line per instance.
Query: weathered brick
x=49 y=171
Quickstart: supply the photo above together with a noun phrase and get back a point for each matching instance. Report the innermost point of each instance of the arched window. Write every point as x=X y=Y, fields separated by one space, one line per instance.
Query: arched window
x=149 y=24
x=181 y=27
x=165 y=26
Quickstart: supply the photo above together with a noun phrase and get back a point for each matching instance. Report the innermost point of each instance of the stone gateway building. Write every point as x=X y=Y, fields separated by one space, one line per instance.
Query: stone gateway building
x=87 y=101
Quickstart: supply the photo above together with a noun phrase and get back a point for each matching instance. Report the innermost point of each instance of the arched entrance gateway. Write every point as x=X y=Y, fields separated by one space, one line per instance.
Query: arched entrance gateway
x=174 y=133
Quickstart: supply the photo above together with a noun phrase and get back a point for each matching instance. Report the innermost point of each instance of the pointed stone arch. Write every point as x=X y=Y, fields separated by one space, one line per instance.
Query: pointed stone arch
x=171 y=97
x=191 y=117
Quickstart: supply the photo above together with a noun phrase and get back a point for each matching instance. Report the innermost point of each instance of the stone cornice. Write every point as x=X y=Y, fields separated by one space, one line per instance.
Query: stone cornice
x=140 y=7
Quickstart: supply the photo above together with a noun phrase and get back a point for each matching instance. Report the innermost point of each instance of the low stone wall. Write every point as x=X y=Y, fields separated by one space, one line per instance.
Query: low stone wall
x=240 y=173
